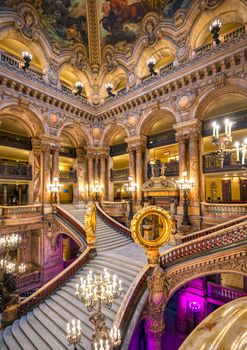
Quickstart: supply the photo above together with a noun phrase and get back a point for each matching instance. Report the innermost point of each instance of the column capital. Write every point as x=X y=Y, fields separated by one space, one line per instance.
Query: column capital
x=187 y=129
x=136 y=142
x=36 y=144
x=80 y=153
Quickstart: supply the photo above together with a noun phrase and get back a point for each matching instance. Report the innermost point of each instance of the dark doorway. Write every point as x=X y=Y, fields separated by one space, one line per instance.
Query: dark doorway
x=226 y=191
x=243 y=190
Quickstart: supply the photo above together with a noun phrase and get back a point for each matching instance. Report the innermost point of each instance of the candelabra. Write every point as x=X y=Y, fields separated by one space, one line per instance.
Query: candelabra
x=96 y=291
x=97 y=189
x=9 y=241
x=74 y=332
x=79 y=87
x=109 y=88
x=214 y=29
x=11 y=267
x=224 y=143
x=151 y=63
x=27 y=57
x=185 y=185
x=55 y=188
x=130 y=187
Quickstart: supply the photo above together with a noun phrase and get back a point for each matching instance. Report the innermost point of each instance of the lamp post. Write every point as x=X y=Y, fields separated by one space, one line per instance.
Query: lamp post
x=79 y=87
x=96 y=291
x=97 y=189
x=130 y=187
x=195 y=308
x=214 y=29
x=185 y=185
x=27 y=57
x=55 y=188
x=151 y=63
x=109 y=88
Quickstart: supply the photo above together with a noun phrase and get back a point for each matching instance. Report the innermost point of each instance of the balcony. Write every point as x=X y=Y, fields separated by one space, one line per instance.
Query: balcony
x=212 y=164
x=119 y=174
x=222 y=293
x=117 y=150
x=115 y=209
x=69 y=152
x=15 y=141
x=161 y=139
x=156 y=170
x=67 y=176
x=15 y=171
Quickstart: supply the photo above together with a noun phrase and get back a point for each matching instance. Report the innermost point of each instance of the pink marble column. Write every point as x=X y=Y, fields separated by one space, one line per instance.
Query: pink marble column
x=182 y=152
x=46 y=173
x=132 y=167
x=35 y=159
x=55 y=163
x=90 y=176
x=103 y=175
x=139 y=173
x=194 y=169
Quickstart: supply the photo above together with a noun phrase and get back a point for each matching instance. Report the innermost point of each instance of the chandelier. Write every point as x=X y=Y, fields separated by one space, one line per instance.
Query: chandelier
x=96 y=291
x=9 y=241
x=97 y=189
x=55 y=188
x=224 y=143
x=7 y=265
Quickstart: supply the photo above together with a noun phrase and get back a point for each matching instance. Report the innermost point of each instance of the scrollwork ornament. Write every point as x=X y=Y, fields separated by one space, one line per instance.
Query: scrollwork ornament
x=208 y=4
x=53 y=70
x=149 y=25
x=79 y=59
x=27 y=22
x=110 y=59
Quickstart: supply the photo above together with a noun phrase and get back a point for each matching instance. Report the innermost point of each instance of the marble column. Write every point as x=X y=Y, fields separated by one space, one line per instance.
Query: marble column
x=103 y=175
x=90 y=175
x=46 y=174
x=96 y=169
x=194 y=169
x=79 y=188
x=139 y=173
x=181 y=314
x=55 y=163
x=182 y=153
x=35 y=159
x=132 y=168
x=110 y=194
x=5 y=194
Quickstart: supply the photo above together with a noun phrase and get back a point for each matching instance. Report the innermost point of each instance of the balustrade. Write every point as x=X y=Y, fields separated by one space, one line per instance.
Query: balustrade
x=212 y=163
x=162 y=169
x=28 y=281
x=119 y=149
x=119 y=174
x=9 y=212
x=223 y=210
x=15 y=171
x=201 y=245
x=161 y=139
x=67 y=176
x=69 y=152
x=115 y=209
x=223 y=293
x=15 y=140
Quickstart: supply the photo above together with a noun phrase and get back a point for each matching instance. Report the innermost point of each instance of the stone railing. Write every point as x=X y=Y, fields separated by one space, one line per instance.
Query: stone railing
x=115 y=209
x=71 y=221
x=212 y=163
x=162 y=169
x=67 y=176
x=204 y=245
x=223 y=210
x=209 y=230
x=117 y=150
x=15 y=171
x=163 y=138
x=119 y=174
x=113 y=223
x=223 y=293
x=69 y=152
x=14 y=140
x=29 y=282
x=44 y=292
x=22 y=211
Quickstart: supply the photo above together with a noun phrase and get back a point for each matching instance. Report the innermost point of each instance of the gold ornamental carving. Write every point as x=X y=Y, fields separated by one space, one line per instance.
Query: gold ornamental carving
x=151 y=228
x=90 y=224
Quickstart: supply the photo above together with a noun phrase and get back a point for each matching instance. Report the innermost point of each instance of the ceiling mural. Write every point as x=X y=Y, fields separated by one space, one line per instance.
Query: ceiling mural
x=64 y=21
x=120 y=20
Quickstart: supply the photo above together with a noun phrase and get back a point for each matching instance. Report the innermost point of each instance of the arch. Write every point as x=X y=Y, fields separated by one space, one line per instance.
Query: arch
x=79 y=133
x=118 y=78
x=227 y=12
x=212 y=95
x=111 y=131
x=146 y=124
x=28 y=117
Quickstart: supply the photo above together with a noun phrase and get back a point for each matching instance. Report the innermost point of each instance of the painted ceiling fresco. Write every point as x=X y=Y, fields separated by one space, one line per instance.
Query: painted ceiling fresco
x=64 y=21
x=120 y=20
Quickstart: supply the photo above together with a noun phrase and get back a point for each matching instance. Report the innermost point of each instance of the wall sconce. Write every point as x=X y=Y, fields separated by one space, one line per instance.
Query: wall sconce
x=27 y=57
x=109 y=88
x=79 y=87
x=151 y=63
x=214 y=29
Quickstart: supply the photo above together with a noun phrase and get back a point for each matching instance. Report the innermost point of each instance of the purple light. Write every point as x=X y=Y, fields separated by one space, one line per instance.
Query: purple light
x=194 y=306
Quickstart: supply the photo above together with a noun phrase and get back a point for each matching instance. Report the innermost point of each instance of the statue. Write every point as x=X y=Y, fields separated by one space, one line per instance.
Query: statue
x=162 y=169
x=8 y=297
x=90 y=223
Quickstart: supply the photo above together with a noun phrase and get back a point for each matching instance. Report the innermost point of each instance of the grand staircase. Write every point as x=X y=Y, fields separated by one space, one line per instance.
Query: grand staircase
x=44 y=327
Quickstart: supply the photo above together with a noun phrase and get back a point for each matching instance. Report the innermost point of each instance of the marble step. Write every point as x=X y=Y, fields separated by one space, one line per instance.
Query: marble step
x=10 y=340
x=28 y=325
x=107 y=247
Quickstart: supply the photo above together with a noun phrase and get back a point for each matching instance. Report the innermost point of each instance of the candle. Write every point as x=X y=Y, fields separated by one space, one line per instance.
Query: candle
x=217 y=130
x=243 y=156
x=68 y=328
x=95 y=346
x=120 y=285
x=226 y=126
x=119 y=336
x=229 y=129
x=237 y=150
x=79 y=326
x=214 y=129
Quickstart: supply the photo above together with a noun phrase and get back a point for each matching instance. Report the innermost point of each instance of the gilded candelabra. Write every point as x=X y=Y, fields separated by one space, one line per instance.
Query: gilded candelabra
x=96 y=291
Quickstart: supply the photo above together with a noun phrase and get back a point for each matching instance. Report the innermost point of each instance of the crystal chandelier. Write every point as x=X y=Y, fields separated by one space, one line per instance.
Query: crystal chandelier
x=224 y=143
x=7 y=265
x=9 y=241
x=55 y=188
x=97 y=189
x=96 y=291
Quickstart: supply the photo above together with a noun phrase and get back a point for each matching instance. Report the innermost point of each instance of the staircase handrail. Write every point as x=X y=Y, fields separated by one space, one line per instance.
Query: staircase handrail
x=209 y=230
x=199 y=245
x=113 y=223
x=45 y=291
x=71 y=220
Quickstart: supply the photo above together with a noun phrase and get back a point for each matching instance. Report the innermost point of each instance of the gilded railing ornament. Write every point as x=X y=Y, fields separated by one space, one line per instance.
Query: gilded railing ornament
x=151 y=228
x=90 y=224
